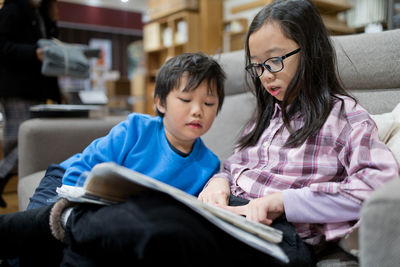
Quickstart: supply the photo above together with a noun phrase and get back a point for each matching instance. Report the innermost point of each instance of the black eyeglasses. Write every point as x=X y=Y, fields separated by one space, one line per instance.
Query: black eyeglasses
x=272 y=64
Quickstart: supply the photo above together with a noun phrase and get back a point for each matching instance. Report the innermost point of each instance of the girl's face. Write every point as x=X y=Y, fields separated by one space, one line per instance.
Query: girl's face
x=188 y=115
x=269 y=41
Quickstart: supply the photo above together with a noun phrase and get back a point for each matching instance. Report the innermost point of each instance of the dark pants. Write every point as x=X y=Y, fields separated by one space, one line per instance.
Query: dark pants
x=45 y=195
x=26 y=236
x=15 y=111
x=145 y=230
x=154 y=228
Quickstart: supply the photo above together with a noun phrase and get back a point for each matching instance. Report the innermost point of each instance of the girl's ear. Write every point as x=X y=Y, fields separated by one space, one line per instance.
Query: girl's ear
x=160 y=107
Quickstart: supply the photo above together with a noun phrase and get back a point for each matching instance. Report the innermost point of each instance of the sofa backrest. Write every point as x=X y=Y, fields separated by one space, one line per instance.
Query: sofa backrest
x=52 y=140
x=369 y=67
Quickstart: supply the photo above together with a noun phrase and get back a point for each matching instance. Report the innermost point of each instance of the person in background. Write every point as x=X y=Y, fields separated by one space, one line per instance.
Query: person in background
x=22 y=24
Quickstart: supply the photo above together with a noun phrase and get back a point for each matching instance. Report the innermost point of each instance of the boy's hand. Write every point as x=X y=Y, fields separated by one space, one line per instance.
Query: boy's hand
x=216 y=193
x=263 y=210
x=39 y=54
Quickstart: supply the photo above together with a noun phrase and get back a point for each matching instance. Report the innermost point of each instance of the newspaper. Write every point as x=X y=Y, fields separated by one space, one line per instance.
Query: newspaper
x=109 y=183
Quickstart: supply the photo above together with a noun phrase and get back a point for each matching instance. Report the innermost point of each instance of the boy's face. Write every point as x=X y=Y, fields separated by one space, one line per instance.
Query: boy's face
x=188 y=115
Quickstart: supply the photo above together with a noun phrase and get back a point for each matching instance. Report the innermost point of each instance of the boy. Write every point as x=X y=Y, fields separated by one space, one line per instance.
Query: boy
x=189 y=92
x=180 y=84
x=188 y=95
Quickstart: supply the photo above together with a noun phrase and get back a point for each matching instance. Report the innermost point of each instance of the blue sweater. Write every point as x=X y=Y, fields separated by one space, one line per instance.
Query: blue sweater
x=139 y=143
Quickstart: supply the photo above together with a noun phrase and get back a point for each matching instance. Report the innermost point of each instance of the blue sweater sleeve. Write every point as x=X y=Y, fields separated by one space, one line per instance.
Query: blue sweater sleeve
x=111 y=147
x=140 y=144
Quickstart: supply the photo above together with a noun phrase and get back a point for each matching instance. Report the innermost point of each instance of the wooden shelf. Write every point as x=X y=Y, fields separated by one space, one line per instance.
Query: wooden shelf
x=336 y=26
x=178 y=32
x=325 y=7
x=235 y=31
x=250 y=5
x=167 y=32
x=332 y=6
x=157 y=9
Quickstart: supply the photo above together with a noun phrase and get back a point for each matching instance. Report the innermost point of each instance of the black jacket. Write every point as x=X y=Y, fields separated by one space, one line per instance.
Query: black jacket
x=20 y=70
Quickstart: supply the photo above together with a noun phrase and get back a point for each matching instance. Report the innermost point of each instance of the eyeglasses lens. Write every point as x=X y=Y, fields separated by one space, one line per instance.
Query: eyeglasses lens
x=272 y=65
x=256 y=70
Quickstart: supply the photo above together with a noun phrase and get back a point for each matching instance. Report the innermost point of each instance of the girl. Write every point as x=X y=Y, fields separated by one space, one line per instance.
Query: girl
x=310 y=153
x=306 y=162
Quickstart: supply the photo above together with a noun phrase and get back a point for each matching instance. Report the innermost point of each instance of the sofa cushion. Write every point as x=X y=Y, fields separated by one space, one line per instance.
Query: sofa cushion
x=389 y=129
x=369 y=60
x=51 y=140
x=26 y=188
x=233 y=64
x=228 y=124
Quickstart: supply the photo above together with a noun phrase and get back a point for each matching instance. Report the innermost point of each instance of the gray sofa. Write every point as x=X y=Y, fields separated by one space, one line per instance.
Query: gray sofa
x=369 y=66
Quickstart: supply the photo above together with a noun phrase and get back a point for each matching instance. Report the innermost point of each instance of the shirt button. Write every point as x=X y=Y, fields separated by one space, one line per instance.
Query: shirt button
x=265 y=144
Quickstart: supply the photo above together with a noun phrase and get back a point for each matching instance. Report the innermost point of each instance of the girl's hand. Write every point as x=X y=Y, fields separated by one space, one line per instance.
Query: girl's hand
x=216 y=193
x=263 y=210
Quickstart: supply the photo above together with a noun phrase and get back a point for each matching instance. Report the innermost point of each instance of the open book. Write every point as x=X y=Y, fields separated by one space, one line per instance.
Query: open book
x=109 y=183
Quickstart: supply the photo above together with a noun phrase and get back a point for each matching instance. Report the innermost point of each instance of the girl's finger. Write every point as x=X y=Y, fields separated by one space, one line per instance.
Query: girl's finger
x=240 y=210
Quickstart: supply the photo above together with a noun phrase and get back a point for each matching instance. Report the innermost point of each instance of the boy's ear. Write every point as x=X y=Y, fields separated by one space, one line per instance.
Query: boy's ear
x=160 y=107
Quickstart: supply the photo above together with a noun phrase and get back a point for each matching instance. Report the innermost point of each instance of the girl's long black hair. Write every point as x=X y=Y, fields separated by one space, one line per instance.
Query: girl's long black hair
x=315 y=85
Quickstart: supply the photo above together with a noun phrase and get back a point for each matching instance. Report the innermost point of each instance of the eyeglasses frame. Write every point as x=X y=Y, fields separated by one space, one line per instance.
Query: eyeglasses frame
x=264 y=66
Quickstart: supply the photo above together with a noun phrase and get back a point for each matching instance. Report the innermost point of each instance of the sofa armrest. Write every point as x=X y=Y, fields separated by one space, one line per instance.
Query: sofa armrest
x=45 y=141
x=379 y=230
x=27 y=187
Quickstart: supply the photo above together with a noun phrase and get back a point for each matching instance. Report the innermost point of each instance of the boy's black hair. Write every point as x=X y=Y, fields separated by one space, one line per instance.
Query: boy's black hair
x=316 y=84
x=198 y=67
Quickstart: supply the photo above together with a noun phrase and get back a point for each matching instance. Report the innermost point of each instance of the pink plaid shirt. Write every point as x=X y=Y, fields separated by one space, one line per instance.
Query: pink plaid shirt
x=345 y=157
